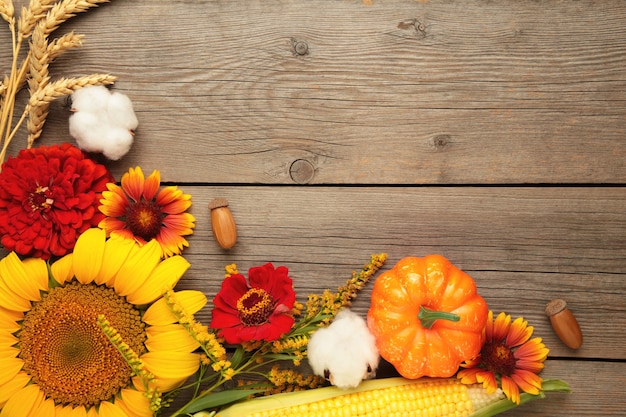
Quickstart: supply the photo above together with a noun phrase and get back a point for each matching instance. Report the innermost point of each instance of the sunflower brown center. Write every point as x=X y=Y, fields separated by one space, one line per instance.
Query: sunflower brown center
x=255 y=307
x=498 y=358
x=65 y=351
x=144 y=219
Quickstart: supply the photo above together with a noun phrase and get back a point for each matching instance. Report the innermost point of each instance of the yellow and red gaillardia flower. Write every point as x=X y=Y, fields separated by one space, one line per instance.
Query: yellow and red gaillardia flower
x=509 y=358
x=49 y=195
x=138 y=210
x=259 y=311
x=55 y=360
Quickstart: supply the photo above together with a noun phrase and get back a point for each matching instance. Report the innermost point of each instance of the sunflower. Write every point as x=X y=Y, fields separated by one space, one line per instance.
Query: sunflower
x=261 y=310
x=509 y=357
x=138 y=210
x=55 y=358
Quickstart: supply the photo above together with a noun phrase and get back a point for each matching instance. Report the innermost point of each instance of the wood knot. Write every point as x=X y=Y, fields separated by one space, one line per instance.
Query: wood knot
x=301 y=171
x=413 y=24
x=440 y=142
x=300 y=48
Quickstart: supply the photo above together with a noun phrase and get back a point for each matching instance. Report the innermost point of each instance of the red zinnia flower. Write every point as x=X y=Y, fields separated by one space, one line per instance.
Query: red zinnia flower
x=508 y=357
x=258 y=311
x=48 y=197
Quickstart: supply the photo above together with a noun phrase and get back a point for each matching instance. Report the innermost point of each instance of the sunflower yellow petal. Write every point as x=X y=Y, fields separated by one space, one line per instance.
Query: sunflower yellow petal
x=137 y=268
x=170 y=337
x=17 y=277
x=45 y=409
x=79 y=411
x=8 y=324
x=37 y=270
x=7 y=339
x=23 y=403
x=134 y=403
x=108 y=409
x=88 y=255
x=12 y=386
x=9 y=368
x=163 y=278
x=116 y=251
x=11 y=300
x=171 y=364
x=63 y=270
x=159 y=312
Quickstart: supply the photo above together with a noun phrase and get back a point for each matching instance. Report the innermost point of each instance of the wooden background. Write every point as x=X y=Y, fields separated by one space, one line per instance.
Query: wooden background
x=493 y=133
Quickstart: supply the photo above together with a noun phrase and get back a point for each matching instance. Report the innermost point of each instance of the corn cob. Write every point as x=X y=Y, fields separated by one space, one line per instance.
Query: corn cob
x=392 y=397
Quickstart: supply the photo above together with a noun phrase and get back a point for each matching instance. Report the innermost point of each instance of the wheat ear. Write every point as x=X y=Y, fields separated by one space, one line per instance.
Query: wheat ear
x=40 y=100
x=7 y=11
x=66 y=9
x=36 y=10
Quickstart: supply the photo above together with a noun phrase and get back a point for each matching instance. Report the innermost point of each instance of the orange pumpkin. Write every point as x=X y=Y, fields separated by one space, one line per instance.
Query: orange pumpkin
x=427 y=317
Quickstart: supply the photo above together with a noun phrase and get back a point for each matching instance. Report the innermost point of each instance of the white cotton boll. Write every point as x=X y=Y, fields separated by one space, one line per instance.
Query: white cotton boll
x=344 y=352
x=117 y=143
x=87 y=129
x=103 y=121
x=120 y=111
x=92 y=99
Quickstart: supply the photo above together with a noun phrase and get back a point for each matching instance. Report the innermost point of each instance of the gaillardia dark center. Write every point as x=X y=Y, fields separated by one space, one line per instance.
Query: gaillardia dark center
x=255 y=307
x=65 y=351
x=498 y=358
x=144 y=219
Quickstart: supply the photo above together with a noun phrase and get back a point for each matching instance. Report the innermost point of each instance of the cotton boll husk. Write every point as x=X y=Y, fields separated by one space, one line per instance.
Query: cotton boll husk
x=346 y=349
x=91 y=99
x=120 y=111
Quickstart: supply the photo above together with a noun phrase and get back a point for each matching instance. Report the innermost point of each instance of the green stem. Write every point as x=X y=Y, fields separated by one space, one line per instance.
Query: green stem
x=428 y=317
x=549 y=385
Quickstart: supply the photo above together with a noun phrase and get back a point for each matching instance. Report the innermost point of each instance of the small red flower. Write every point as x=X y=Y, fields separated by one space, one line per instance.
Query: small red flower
x=49 y=195
x=257 y=311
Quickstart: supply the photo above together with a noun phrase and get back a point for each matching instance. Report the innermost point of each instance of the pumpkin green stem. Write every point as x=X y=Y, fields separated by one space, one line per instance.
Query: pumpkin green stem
x=428 y=317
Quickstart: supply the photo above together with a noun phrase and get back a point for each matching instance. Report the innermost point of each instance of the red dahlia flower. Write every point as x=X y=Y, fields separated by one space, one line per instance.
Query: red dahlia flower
x=49 y=195
x=258 y=311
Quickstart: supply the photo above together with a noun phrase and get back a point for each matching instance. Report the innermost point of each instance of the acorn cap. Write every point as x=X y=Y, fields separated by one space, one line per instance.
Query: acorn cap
x=555 y=306
x=217 y=203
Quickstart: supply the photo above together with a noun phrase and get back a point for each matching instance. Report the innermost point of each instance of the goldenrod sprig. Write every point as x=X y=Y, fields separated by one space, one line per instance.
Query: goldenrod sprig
x=134 y=362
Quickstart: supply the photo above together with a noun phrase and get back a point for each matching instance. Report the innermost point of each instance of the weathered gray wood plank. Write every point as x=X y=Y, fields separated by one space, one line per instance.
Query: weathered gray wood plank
x=523 y=246
x=400 y=92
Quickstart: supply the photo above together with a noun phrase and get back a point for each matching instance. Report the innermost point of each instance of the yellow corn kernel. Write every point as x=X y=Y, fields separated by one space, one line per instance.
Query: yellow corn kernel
x=392 y=397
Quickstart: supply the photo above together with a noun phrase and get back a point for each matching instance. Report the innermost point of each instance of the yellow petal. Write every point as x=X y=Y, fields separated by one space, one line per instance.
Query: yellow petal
x=18 y=279
x=134 y=403
x=9 y=323
x=74 y=412
x=9 y=368
x=163 y=278
x=37 y=270
x=170 y=364
x=160 y=313
x=63 y=270
x=88 y=255
x=7 y=339
x=10 y=300
x=170 y=337
x=46 y=409
x=108 y=409
x=23 y=403
x=116 y=251
x=137 y=268
x=11 y=387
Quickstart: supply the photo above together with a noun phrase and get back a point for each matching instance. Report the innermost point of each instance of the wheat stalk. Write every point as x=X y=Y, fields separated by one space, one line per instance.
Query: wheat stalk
x=38 y=21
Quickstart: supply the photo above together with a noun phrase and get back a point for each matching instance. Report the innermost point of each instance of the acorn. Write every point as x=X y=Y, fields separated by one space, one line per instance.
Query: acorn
x=223 y=223
x=564 y=323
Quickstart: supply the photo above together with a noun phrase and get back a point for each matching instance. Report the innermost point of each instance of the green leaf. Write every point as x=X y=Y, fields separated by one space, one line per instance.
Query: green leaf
x=217 y=399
